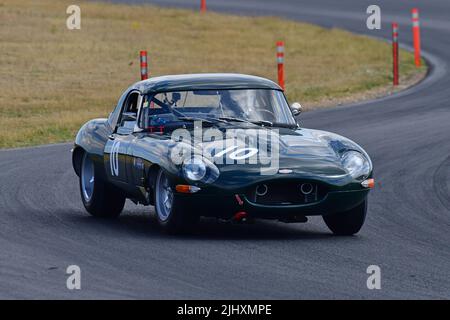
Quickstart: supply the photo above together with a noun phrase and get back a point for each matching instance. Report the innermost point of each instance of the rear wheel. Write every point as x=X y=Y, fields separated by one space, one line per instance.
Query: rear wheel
x=349 y=222
x=169 y=213
x=99 y=198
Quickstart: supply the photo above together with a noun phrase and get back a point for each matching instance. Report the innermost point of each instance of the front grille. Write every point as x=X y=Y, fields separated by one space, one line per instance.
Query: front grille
x=286 y=192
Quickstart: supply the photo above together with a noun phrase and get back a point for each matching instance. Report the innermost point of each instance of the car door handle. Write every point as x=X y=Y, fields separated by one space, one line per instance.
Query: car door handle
x=112 y=137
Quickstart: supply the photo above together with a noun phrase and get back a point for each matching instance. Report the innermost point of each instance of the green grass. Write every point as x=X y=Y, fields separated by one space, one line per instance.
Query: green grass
x=54 y=79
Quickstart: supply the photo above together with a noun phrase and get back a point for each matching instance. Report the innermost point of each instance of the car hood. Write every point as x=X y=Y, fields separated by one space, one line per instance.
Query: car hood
x=300 y=152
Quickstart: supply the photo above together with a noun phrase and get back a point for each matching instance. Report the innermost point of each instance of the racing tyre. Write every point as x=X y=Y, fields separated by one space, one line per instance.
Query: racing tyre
x=349 y=222
x=169 y=212
x=99 y=198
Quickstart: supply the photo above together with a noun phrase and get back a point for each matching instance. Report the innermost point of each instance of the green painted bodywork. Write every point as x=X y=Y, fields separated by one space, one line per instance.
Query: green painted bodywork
x=311 y=155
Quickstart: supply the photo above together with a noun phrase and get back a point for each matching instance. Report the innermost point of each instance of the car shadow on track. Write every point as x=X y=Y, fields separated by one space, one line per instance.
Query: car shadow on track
x=143 y=225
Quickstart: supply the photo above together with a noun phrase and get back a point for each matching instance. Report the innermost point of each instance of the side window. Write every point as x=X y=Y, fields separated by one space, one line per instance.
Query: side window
x=129 y=114
x=115 y=115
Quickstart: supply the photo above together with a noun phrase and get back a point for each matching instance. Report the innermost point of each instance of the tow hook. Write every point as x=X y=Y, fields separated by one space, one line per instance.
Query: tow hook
x=238 y=199
x=240 y=216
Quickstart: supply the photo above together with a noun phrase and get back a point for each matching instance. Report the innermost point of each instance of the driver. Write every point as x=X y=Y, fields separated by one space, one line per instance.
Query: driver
x=229 y=104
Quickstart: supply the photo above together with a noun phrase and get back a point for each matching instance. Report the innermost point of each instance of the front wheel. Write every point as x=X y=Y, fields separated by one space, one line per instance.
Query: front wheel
x=349 y=222
x=99 y=198
x=169 y=213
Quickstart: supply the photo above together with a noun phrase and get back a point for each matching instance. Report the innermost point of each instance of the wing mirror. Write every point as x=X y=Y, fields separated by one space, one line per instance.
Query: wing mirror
x=296 y=109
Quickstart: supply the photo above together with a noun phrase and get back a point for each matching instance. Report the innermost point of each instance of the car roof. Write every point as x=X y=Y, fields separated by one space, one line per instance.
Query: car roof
x=204 y=81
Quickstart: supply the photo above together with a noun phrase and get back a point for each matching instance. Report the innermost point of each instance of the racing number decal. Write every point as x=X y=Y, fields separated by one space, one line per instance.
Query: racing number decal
x=246 y=153
x=236 y=154
x=114 y=159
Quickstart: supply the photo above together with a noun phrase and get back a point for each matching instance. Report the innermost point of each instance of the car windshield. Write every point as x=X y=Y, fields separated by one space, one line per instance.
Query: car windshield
x=259 y=106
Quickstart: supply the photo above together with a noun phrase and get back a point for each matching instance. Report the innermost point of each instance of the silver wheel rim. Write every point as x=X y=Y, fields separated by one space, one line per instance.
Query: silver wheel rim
x=87 y=177
x=164 y=197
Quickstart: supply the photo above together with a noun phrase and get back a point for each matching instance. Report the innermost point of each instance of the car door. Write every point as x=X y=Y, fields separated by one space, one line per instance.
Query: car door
x=117 y=148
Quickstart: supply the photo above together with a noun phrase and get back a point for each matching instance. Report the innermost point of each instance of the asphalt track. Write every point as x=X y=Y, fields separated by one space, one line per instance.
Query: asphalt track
x=43 y=227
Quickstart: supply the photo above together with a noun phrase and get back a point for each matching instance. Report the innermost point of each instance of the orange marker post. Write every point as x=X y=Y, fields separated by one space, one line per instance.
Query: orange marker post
x=143 y=58
x=280 y=61
x=395 y=53
x=416 y=35
x=203 y=6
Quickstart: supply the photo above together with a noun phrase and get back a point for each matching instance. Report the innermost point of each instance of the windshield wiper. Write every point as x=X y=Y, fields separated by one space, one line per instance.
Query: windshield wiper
x=228 y=119
x=263 y=122
x=212 y=120
x=285 y=125
x=193 y=119
x=257 y=122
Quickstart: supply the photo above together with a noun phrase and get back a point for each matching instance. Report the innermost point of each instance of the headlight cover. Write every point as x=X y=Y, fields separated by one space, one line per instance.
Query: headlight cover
x=194 y=169
x=199 y=169
x=356 y=164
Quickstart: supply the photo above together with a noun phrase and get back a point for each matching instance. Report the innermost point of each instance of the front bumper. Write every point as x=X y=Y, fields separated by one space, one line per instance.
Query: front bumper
x=227 y=205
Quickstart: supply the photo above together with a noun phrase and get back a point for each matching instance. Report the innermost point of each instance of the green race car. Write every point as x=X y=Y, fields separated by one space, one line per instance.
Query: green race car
x=219 y=145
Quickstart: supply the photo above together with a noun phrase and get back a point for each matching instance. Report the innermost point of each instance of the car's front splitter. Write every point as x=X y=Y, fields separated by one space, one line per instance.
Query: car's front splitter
x=226 y=206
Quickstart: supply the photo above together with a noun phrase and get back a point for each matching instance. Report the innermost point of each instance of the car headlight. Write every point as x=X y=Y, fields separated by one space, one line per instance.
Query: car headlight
x=356 y=164
x=194 y=169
